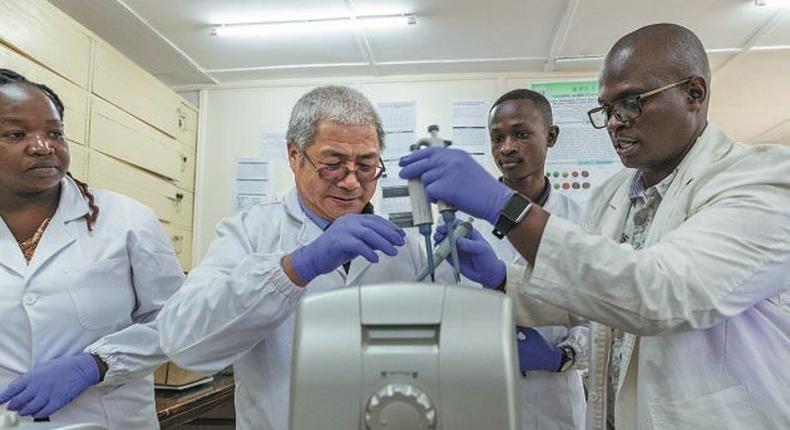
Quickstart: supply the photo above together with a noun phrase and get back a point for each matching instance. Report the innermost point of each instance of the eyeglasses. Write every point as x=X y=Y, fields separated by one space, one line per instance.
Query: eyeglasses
x=337 y=172
x=627 y=108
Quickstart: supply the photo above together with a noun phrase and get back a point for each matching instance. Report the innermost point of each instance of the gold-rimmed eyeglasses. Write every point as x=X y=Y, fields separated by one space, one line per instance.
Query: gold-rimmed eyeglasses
x=627 y=108
x=336 y=172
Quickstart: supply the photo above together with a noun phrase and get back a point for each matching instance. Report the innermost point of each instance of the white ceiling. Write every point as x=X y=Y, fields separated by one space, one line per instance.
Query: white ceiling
x=171 y=40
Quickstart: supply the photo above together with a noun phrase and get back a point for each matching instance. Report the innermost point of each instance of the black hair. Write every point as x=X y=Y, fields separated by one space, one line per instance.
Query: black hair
x=535 y=97
x=11 y=77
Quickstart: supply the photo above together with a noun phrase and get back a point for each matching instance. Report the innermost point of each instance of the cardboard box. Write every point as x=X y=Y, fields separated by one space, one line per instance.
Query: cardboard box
x=170 y=376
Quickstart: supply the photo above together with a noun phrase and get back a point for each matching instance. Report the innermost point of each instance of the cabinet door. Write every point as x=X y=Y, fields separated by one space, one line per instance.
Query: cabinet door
x=49 y=36
x=158 y=194
x=181 y=238
x=75 y=99
x=116 y=133
x=123 y=83
x=79 y=161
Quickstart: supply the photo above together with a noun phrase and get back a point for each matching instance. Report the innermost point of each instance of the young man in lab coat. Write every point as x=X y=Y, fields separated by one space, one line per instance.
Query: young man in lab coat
x=237 y=306
x=522 y=131
x=683 y=260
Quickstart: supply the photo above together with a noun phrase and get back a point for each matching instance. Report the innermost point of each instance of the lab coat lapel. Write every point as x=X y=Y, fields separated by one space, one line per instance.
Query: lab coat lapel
x=616 y=212
x=308 y=231
x=667 y=216
x=358 y=266
x=57 y=236
x=10 y=254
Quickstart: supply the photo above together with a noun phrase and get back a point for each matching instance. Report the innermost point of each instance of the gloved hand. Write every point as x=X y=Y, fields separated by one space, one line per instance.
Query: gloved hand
x=349 y=236
x=454 y=177
x=535 y=353
x=51 y=386
x=477 y=259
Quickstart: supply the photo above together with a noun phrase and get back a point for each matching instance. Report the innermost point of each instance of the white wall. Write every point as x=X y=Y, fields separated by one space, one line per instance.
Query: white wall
x=233 y=120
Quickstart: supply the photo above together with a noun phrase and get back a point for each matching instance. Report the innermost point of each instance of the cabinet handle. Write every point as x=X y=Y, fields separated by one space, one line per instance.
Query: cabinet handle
x=178 y=243
x=184 y=160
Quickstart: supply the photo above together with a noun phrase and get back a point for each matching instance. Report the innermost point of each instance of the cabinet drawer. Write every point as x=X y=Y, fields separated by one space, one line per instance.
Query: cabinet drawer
x=187 y=178
x=150 y=190
x=181 y=238
x=185 y=202
x=49 y=36
x=116 y=133
x=187 y=125
x=75 y=99
x=125 y=84
x=79 y=161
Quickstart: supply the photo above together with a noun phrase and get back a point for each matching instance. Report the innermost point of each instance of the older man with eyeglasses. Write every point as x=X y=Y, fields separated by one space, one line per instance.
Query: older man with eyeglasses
x=237 y=307
x=682 y=260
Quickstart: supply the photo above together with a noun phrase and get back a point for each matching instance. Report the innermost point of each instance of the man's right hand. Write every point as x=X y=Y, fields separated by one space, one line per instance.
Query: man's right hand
x=349 y=236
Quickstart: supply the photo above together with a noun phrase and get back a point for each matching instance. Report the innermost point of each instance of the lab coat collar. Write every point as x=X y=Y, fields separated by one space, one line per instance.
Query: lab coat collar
x=72 y=206
x=308 y=230
x=710 y=147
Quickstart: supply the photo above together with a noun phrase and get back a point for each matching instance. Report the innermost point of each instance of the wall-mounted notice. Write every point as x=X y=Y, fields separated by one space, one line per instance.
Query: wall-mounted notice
x=399 y=120
x=251 y=183
x=470 y=126
x=583 y=156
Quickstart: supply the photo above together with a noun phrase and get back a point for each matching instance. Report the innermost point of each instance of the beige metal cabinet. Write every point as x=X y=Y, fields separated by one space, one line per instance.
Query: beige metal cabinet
x=187 y=179
x=181 y=238
x=46 y=34
x=187 y=125
x=123 y=83
x=116 y=133
x=79 y=161
x=157 y=193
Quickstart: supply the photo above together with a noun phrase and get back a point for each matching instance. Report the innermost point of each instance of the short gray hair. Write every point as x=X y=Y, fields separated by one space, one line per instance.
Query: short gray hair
x=341 y=105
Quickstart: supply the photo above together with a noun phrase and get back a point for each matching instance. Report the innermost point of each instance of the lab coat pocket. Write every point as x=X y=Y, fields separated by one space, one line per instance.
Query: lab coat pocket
x=730 y=408
x=102 y=293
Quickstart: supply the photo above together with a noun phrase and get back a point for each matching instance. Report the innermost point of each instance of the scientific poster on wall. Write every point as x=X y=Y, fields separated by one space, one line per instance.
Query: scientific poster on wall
x=251 y=184
x=399 y=120
x=470 y=125
x=583 y=156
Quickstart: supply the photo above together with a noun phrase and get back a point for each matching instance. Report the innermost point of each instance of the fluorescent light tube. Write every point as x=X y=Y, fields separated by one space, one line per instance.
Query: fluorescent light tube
x=323 y=25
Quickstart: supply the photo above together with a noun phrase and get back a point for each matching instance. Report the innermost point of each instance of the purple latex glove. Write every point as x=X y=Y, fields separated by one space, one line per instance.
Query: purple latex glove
x=51 y=386
x=349 y=236
x=535 y=353
x=477 y=259
x=454 y=177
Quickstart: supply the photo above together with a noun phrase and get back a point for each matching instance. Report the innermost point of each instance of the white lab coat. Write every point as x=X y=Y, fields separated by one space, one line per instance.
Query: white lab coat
x=237 y=307
x=551 y=401
x=708 y=296
x=95 y=292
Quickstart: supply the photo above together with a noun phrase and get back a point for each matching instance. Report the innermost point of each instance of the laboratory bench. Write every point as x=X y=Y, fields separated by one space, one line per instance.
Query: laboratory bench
x=176 y=408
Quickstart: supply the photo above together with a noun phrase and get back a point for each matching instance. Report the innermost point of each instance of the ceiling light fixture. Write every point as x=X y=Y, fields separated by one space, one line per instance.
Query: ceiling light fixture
x=783 y=3
x=312 y=25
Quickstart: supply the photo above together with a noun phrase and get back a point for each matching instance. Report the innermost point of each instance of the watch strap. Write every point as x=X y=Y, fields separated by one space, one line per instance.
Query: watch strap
x=515 y=210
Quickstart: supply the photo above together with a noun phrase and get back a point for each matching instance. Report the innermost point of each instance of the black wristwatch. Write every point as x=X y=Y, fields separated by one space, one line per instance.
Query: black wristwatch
x=516 y=209
x=568 y=358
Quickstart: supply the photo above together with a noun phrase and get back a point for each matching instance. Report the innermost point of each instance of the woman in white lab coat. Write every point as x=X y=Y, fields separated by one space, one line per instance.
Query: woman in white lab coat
x=83 y=274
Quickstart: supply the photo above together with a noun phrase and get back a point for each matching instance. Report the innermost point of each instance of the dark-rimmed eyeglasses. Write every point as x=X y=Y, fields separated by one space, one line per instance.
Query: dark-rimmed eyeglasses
x=337 y=172
x=627 y=108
